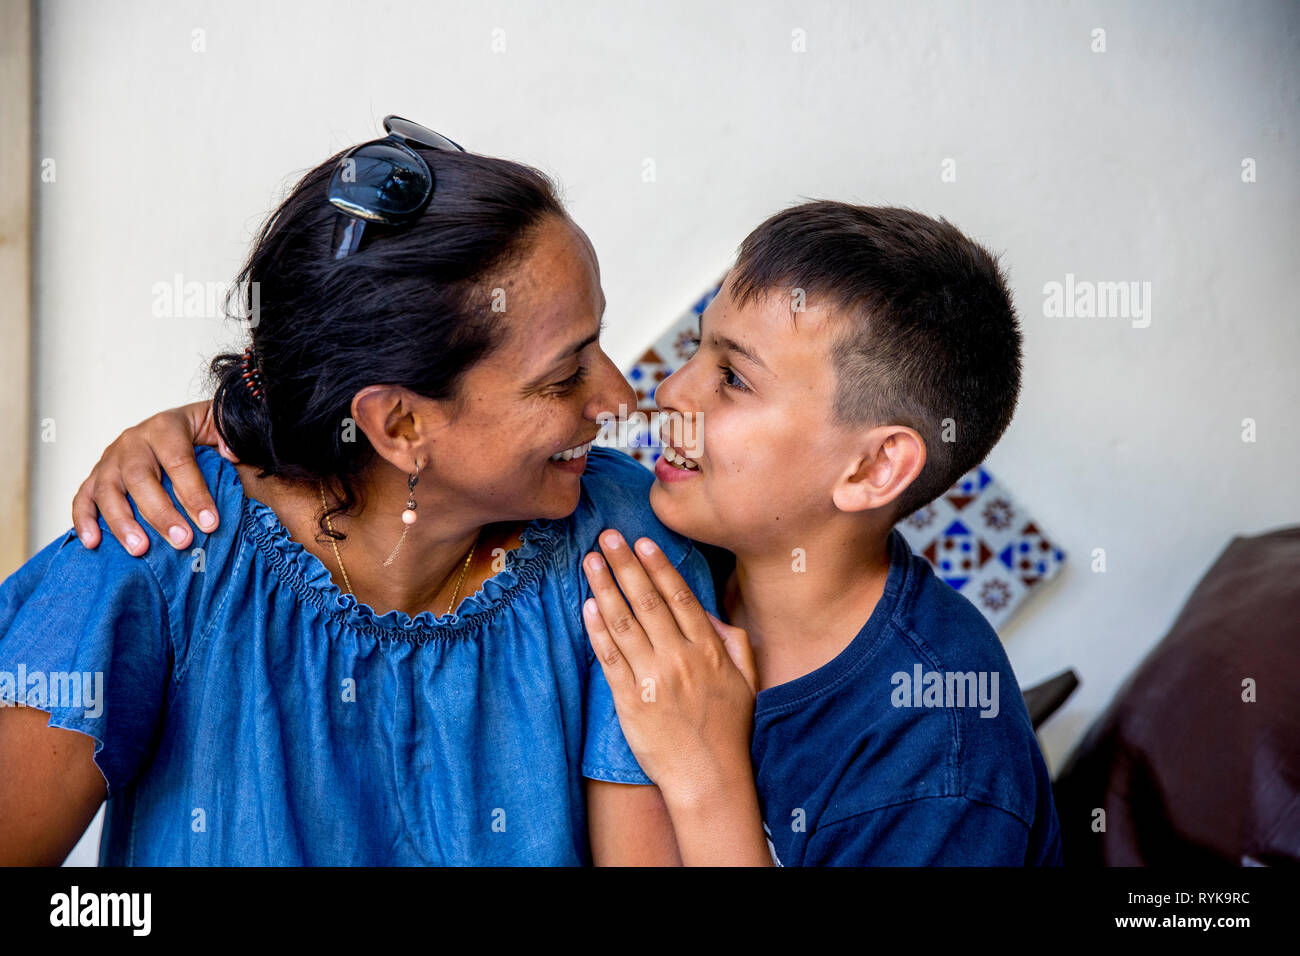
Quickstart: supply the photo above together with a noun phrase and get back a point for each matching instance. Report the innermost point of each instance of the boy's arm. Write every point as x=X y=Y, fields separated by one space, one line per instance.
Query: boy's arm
x=629 y=826
x=721 y=825
x=133 y=465
x=683 y=686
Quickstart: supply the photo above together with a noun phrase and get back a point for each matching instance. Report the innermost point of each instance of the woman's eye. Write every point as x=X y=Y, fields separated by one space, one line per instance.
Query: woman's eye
x=572 y=382
x=692 y=340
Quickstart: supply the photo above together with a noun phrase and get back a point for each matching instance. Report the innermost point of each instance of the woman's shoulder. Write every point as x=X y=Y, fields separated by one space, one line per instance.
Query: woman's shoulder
x=69 y=602
x=110 y=565
x=612 y=467
x=616 y=494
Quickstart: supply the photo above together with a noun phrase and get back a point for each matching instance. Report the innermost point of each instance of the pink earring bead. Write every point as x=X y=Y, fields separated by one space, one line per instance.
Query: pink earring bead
x=408 y=516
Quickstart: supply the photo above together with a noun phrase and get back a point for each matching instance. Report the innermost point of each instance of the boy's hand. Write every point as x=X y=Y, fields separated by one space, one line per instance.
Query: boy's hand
x=683 y=682
x=133 y=465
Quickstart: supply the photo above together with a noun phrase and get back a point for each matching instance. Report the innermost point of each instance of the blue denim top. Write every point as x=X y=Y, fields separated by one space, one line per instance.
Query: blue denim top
x=252 y=713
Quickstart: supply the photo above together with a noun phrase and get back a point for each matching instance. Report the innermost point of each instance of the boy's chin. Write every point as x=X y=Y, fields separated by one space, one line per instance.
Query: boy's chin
x=676 y=518
x=667 y=512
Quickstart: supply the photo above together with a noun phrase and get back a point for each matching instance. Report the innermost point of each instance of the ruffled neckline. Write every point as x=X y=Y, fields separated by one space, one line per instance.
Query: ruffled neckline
x=310 y=578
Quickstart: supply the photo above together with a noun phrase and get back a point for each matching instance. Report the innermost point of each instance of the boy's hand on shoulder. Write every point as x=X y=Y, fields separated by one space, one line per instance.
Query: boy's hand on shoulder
x=683 y=682
x=683 y=685
x=133 y=465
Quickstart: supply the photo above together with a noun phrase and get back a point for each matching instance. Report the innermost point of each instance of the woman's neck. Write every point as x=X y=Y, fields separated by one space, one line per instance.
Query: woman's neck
x=426 y=570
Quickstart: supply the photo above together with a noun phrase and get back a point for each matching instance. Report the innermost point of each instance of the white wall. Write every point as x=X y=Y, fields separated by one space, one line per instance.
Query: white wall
x=1122 y=165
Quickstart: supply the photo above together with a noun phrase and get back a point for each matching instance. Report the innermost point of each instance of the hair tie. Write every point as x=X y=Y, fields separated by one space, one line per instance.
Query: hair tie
x=251 y=375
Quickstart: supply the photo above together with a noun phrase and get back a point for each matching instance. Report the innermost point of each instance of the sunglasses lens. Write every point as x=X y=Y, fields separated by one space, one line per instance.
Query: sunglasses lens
x=419 y=135
x=381 y=182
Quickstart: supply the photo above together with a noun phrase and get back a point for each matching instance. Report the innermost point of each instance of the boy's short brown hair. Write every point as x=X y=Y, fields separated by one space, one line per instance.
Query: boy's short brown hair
x=929 y=332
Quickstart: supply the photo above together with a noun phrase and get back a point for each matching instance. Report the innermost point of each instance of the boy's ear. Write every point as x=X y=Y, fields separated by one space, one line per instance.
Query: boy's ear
x=891 y=458
x=401 y=425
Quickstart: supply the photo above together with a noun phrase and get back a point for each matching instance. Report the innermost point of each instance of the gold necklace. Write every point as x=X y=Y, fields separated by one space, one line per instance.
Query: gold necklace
x=460 y=579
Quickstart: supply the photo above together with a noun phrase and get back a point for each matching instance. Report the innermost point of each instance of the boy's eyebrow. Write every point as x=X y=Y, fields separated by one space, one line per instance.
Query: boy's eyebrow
x=731 y=345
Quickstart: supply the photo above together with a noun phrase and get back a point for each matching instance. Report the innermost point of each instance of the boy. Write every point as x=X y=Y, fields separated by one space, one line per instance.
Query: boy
x=856 y=363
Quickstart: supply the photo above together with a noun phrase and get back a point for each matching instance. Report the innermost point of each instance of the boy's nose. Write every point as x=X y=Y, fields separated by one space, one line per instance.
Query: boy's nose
x=667 y=394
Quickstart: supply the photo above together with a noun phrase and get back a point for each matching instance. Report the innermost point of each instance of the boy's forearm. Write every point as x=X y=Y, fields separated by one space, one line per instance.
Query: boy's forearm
x=719 y=823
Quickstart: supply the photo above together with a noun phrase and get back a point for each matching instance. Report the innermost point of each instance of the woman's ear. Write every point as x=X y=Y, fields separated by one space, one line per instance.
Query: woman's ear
x=892 y=457
x=403 y=427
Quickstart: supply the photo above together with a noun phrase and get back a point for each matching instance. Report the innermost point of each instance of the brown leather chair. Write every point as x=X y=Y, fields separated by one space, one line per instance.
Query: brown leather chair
x=1045 y=698
x=1188 y=768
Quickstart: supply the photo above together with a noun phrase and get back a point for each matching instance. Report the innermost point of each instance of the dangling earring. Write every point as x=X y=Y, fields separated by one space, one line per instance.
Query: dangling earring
x=409 y=515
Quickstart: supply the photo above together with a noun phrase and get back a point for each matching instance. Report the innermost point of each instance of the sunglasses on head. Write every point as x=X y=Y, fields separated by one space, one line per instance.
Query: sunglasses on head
x=383 y=181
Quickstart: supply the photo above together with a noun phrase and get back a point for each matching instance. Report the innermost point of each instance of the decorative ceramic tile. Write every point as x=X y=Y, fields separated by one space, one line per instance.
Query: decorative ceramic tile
x=977 y=536
x=668 y=353
x=983 y=542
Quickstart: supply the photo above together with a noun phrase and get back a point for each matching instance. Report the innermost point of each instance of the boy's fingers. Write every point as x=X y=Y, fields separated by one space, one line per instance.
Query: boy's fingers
x=85 y=516
x=649 y=606
x=156 y=506
x=168 y=442
x=692 y=619
x=182 y=468
x=618 y=672
x=620 y=622
x=121 y=519
x=741 y=652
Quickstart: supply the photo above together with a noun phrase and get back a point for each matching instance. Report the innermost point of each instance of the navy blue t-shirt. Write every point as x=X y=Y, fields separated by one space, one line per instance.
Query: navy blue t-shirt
x=911 y=748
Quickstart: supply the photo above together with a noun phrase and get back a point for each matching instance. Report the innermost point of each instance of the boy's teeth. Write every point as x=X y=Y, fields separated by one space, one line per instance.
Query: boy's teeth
x=571 y=453
x=678 y=460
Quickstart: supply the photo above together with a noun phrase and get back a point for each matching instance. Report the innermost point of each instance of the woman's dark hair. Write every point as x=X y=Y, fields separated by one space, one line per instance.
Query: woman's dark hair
x=410 y=307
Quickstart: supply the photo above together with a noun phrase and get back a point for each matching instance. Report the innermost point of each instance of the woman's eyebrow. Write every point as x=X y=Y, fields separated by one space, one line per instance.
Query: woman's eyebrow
x=569 y=352
x=731 y=345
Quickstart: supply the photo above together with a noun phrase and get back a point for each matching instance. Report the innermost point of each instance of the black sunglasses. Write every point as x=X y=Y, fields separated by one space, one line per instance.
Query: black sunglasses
x=383 y=181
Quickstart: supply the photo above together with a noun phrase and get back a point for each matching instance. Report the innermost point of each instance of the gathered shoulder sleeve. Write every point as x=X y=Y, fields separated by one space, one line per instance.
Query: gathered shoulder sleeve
x=100 y=638
x=86 y=636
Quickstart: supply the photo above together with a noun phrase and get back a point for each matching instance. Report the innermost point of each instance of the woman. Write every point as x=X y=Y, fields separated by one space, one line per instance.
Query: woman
x=378 y=658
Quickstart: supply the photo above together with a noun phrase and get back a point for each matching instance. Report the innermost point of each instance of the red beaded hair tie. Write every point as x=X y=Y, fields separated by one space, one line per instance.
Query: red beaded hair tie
x=251 y=376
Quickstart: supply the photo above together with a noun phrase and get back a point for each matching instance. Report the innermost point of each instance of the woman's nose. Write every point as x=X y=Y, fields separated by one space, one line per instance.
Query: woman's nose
x=613 y=396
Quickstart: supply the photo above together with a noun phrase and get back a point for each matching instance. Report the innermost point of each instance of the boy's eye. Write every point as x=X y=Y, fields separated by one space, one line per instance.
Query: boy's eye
x=729 y=379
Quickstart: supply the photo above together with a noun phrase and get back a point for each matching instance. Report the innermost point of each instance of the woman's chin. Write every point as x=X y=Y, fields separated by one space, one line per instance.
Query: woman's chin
x=559 y=504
